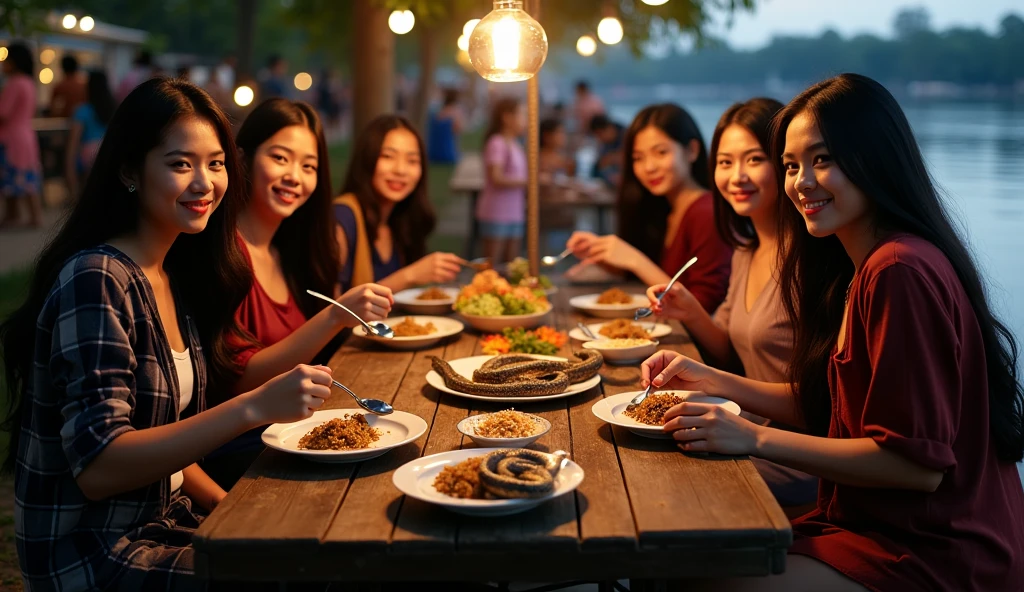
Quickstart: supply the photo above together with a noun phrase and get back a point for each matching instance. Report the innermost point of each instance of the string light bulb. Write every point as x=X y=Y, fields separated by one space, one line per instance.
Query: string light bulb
x=87 y=23
x=609 y=30
x=69 y=21
x=401 y=21
x=508 y=45
x=244 y=95
x=586 y=46
x=654 y=2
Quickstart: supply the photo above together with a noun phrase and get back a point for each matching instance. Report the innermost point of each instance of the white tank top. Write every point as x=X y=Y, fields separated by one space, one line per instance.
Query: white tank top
x=183 y=367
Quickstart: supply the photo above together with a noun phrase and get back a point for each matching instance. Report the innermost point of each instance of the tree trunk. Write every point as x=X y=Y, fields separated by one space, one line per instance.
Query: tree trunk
x=428 y=64
x=373 y=64
x=246 y=34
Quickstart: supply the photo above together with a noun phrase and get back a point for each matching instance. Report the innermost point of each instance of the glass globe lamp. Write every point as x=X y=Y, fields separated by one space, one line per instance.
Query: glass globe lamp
x=508 y=45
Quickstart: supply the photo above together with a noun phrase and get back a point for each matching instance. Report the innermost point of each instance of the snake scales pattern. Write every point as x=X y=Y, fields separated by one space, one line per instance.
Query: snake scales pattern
x=520 y=473
x=518 y=375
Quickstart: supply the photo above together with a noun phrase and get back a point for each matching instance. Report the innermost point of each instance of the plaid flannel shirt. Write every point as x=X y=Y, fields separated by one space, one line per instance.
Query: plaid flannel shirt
x=103 y=367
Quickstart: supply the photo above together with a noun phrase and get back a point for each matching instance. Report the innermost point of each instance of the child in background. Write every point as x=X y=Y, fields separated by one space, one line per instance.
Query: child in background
x=501 y=210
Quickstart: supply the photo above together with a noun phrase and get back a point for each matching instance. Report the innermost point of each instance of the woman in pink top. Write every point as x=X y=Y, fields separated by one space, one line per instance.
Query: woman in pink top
x=20 y=171
x=501 y=209
x=750 y=332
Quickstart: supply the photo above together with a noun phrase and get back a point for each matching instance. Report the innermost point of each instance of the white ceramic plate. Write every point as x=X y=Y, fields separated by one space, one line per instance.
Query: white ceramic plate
x=397 y=429
x=468 y=428
x=657 y=330
x=623 y=355
x=408 y=300
x=589 y=305
x=416 y=479
x=445 y=328
x=497 y=324
x=612 y=410
x=466 y=366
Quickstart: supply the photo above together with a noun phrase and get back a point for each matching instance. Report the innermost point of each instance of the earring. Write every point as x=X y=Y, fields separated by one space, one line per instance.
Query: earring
x=131 y=188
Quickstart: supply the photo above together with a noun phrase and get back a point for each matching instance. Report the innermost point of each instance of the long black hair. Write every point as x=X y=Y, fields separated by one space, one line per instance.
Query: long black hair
x=100 y=97
x=413 y=218
x=868 y=136
x=496 y=123
x=305 y=240
x=208 y=269
x=755 y=116
x=20 y=57
x=643 y=216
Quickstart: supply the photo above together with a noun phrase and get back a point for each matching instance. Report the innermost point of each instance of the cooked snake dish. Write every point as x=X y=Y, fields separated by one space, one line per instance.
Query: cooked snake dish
x=503 y=474
x=520 y=375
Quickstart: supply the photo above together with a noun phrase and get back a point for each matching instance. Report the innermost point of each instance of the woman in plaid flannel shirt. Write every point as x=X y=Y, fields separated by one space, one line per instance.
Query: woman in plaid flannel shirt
x=145 y=264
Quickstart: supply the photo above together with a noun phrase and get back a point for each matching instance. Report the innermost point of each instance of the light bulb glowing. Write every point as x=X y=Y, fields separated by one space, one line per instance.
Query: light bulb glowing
x=303 y=81
x=467 y=29
x=609 y=30
x=505 y=38
x=654 y=2
x=244 y=96
x=463 y=43
x=46 y=56
x=401 y=21
x=508 y=45
x=3 y=53
x=69 y=21
x=87 y=23
x=46 y=76
x=586 y=46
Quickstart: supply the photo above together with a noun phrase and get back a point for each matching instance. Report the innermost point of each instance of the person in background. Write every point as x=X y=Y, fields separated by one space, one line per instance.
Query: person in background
x=903 y=375
x=554 y=161
x=275 y=84
x=750 y=332
x=20 y=169
x=384 y=215
x=444 y=129
x=88 y=125
x=69 y=93
x=109 y=351
x=608 y=166
x=327 y=100
x=286 y=233
x=587 y=106
x=501 y=208
x=666 y=213
x=142 y=70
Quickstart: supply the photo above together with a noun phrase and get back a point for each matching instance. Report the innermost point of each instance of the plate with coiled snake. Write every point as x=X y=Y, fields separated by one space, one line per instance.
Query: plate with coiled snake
x=416 y=479
x=465 y=367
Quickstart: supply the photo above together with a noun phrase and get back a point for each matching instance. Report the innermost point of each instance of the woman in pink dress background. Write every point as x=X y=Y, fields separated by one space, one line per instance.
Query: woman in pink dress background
x=20 y=170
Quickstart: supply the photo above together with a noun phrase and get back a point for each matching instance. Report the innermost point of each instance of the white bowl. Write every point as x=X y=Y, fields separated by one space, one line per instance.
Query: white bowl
x=468 y=428
x=416 y=479
x=445 y=328
x=408 y=300
x=622 y=355
x=397 y=429
x=498 y=323
x=656 y=330
x=589 y=305
x=612 y=410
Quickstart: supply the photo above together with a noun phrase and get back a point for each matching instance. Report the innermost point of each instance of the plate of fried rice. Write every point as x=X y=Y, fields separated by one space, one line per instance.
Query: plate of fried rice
x=345 y=435
x=414 y=332
x=647 y=418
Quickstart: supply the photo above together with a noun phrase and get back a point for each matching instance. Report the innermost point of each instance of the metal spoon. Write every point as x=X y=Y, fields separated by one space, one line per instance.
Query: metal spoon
x=645 y=311
x=549 y=261
x=639 y=398
x=375 y=406
x=377 y=328
x=586 y=331
x=478 y=264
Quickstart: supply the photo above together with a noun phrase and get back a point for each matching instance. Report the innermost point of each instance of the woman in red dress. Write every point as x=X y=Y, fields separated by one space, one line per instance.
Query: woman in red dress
x=899 y=361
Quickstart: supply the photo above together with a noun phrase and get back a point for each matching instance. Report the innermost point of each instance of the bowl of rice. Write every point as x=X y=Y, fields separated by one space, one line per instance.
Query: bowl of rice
x=624 y=350
x=505 y=429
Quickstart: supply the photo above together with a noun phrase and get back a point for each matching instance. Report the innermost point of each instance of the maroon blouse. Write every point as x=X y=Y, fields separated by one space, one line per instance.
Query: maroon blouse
x=708 y=279
x=912 y=377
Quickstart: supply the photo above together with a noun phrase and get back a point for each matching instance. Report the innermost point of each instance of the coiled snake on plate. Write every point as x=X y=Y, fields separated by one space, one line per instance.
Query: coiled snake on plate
x=519 y=375
x=520 y=473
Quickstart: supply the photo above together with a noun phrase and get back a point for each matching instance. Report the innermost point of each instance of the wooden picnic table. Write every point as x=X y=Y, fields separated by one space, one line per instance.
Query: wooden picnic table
x=644 y=510
x=558 y=197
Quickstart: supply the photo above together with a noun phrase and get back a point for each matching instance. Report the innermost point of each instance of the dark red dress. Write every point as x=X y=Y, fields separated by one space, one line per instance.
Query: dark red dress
x=708 y=279
x=912 y=376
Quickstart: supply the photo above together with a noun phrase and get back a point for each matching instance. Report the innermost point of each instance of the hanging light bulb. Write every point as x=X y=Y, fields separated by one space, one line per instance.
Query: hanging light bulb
x=69 y=21
x=401 y=21
x=87 y=23
x=654 y=2
x=586 y=46
x=244 y=95
x=508 y=45
x=609 y=30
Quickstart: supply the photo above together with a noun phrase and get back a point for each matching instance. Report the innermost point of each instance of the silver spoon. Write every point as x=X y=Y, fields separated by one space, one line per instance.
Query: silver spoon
x=639 y=398
x=478 y=264
x=377 y=328
x=548 y=260
x=586 y=331
x=375 y=406
x=645 y=312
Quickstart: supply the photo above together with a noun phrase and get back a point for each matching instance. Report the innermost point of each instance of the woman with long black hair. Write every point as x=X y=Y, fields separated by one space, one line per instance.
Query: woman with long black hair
x=901 y=372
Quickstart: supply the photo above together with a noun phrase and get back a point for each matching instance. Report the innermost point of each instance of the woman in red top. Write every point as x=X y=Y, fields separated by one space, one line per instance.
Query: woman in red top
x=898 y=360
x=287 y=232
x=666 y=213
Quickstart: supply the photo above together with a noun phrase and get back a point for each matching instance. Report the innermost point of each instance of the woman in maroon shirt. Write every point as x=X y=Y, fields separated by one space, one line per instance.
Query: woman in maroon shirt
x=666 y=213
x=898 y=360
